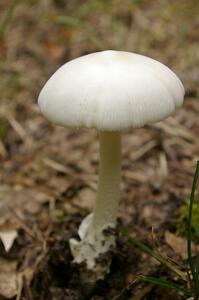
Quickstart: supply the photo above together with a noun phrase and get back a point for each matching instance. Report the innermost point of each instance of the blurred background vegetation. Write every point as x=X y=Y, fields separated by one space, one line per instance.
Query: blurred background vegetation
x=38 y=35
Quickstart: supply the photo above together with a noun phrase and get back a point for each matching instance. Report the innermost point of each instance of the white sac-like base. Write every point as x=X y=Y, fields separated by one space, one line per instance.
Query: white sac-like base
x=91 y=248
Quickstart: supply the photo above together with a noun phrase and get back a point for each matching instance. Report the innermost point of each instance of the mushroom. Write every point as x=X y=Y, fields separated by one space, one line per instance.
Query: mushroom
x=110 y=91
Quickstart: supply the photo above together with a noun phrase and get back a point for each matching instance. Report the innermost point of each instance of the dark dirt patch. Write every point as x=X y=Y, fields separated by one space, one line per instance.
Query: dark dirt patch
x=56 y=277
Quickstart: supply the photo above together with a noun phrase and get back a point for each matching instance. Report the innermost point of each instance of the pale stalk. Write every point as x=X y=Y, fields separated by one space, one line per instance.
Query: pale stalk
x=94 y=240
x=108 y=192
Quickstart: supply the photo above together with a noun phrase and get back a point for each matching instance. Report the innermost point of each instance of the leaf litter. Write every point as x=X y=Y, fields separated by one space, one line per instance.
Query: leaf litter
x=48 y=175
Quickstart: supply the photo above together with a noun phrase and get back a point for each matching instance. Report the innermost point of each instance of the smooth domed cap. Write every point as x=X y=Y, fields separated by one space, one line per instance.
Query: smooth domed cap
x=111 y=90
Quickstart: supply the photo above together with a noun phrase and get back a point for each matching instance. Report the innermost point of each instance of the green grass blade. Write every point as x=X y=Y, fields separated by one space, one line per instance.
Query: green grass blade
x=165 y=283
x=143 y=247
x=189 y=227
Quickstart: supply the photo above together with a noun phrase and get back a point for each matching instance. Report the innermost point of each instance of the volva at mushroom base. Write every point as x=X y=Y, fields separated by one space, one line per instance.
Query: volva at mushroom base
x=110 y=91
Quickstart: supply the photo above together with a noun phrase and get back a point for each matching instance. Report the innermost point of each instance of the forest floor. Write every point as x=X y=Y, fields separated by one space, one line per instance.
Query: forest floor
x=48 y=174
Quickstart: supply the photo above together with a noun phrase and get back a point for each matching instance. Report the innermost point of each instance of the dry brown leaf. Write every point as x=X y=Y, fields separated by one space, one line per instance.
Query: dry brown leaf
x=179 y=244
x=20 y=200
x=8 y=278
x=54 y=50
x=85 y=199
x=135 y=155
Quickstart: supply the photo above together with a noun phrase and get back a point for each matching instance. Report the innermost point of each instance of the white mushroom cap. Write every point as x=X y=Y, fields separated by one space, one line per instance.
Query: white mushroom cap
x=111 y=90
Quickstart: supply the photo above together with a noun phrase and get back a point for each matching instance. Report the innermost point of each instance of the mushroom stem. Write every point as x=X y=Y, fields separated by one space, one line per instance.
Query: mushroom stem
x=94 y=242
x=105 y=212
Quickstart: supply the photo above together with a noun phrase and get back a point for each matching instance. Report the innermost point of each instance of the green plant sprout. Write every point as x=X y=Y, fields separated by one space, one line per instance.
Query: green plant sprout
x=183 y=219
x=193 y=267
x=192 y=281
